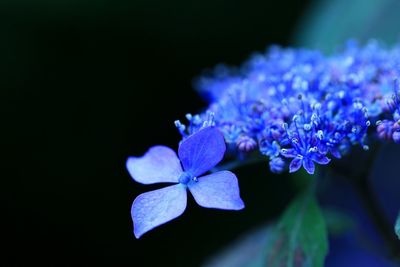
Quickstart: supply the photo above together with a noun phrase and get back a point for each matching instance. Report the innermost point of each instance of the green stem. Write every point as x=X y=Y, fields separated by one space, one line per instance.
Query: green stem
x=360 y=182
x=378 y=217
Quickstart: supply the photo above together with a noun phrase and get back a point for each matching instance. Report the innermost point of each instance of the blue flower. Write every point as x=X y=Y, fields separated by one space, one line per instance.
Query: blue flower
x=327 y=103
x=277 y=164
x=305 y=159
x=198 y=153
x=390 y=129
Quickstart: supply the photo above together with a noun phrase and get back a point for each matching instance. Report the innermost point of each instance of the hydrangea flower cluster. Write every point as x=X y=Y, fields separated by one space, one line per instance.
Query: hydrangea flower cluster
x=299 y=107
x=296 y=107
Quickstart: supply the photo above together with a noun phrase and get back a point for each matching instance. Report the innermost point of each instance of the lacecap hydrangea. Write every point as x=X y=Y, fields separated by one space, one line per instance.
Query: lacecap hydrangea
x=300 y=108
x=295 y=107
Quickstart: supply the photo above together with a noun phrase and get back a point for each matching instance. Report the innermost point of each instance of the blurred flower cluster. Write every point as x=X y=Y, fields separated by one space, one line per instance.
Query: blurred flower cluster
x=299 y=107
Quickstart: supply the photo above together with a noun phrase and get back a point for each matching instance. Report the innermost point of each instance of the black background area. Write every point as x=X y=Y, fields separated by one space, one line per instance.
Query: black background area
x=83 y=86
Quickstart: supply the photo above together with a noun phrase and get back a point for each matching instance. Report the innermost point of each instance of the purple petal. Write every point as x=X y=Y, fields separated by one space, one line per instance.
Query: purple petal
x=159 y=165
x=202 y=151
x=308 y=165
x=295 y=164
x=219 y=190
x=157 y=207
x=320 y=158
x=335 y=153
x=288 y=152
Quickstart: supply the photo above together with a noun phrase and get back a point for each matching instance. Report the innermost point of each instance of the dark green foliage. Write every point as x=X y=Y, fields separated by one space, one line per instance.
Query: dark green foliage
x=300 y=237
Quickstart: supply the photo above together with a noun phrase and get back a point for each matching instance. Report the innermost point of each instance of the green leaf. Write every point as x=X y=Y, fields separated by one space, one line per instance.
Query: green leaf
x=300 y=238
x=397 y=226
x=248 y=250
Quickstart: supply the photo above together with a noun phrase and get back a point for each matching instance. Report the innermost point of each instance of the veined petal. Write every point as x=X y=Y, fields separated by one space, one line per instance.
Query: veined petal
x=308 y=165
x=159 y=165
x=219 y=190
x=202 y=151
x=157 y=207
x=295 y=164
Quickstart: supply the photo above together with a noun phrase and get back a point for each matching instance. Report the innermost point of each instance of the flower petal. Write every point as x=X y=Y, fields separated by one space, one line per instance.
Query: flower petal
x=159 y=165
x=157 y=207
x=295 y=164
x=289 y=152
x=335 y=153
x=202 y=150
x=308 y=165
x=219 y=190
x=320 y=158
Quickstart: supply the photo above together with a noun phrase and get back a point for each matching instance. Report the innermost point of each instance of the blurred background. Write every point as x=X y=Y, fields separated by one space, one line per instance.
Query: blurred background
x=85 y=84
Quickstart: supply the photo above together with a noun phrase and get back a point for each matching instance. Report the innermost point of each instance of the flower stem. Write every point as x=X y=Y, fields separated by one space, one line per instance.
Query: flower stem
x=378 y=217
x=361 y=183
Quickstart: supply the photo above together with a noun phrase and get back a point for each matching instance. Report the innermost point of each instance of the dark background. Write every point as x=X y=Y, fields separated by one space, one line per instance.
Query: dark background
x=83 y=86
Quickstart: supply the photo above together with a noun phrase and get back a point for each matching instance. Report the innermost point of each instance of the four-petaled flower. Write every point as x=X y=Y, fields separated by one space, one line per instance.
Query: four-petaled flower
x=197 y=154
